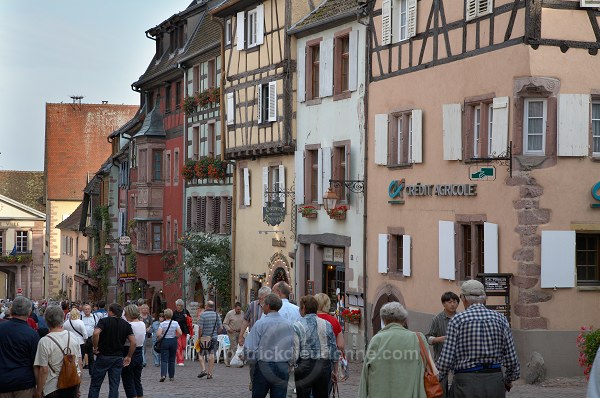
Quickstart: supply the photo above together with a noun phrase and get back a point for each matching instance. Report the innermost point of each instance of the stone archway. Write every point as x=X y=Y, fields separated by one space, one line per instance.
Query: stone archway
x=279 y=275
x=279 y=268
x=386 y=294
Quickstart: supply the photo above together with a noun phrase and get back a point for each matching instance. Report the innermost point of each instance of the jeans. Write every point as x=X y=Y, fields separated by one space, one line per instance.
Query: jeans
x=312 y=378
x=167 y=357
x=270 y=377
x=103 y=364
x=155 y=355
x=132 y=374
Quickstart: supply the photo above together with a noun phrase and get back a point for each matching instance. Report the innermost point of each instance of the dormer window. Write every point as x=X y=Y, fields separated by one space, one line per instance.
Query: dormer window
x=177 y=37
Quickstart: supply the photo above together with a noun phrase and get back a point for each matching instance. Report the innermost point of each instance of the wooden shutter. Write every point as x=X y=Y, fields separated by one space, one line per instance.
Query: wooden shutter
x=202 y=213
x=573 y=124
x=406 y=255
x=353 y=60
x=471 y=9
x=216 y=216
x=282 y=184
x=259 y=103
x=558 y=259
x=260 y=24
x=299 y=164
x=301 y=72
x=230 y=109
x=229 y=214
x=240 y=29
x=265 y=184
x=381 y=139
x=348 y=149
x=490 y=248
x=417 y=136
x=484 y=7
x=326 y=68
x=446 y=250
x=326 y=154
x=452 y=131
x=246 y=186
x=382 y=260
x=386 y=22
x=272 y=101
x=320 y=175
x=412 y=18
x=500 y=125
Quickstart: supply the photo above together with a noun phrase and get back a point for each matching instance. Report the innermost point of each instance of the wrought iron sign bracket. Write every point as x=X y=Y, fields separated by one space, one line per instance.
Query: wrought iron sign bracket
x=356 y=186
x=290 y=193
x=502 y=159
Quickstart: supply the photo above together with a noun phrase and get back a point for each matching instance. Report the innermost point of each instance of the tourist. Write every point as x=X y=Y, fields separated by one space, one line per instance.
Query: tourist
x=77 y=327
x=132 y=374
x=168 y=331
x=155 y=326
x=233 y=325
x=90 y=321
x=180 y=316
x=208 y=327
x=147 y=319
x=101 y=312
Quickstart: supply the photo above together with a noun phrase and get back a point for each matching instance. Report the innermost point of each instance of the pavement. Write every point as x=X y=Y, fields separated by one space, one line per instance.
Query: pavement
x=230 y=382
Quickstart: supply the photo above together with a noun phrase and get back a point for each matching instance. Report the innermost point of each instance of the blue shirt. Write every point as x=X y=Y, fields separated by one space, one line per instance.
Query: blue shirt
x=18 y=346
x=270 y=339
x=314 y=339
x=209 y=323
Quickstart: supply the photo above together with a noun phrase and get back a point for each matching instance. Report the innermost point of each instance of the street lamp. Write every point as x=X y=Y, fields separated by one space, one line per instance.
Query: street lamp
x=107 y=249
x=330 y=199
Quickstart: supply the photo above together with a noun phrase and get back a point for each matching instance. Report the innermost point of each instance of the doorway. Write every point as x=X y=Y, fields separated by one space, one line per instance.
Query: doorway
x=384 y=299
x=334 y=283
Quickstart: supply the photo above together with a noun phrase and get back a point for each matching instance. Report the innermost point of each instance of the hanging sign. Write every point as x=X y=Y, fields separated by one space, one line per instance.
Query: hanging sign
x=274 y=213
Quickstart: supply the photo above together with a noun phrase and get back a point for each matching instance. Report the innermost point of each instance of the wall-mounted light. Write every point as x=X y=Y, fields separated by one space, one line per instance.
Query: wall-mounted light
x=330 y=199
x=107 y=249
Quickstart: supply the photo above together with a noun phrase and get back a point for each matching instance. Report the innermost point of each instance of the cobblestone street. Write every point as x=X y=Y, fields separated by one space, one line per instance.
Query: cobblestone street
x=233 y=382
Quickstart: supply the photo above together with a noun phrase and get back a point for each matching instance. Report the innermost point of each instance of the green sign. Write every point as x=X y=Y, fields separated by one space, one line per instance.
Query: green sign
x=482 y=173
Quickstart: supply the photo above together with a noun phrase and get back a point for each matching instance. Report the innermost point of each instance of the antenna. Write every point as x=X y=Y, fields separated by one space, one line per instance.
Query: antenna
x=76 y=105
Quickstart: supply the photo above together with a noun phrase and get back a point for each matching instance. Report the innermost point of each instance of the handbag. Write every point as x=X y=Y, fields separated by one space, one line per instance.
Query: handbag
x=158 y=343
x=206 y=342
x=433 y=388
x=68 y=376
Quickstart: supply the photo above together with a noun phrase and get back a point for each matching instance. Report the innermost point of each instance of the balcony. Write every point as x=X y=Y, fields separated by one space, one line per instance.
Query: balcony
x=18 y=257
x=83 y=267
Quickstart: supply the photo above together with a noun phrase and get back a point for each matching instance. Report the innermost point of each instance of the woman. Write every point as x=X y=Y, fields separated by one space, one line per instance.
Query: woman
x=180 y=316
x=147 y=319
x=324 y=303
x=155 y=326
x=77 y=327
x=49 y=356
x=393 y=366
x=132 y=374
x=168 y=331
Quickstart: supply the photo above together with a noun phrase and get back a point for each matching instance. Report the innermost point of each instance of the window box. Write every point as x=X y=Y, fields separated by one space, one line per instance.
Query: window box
x=338 y=213
x=308 y=211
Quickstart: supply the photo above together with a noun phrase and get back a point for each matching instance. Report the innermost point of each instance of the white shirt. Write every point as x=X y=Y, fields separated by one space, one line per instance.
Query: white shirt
x=90 y=323
x=139 y=331
x=48 y=354
x=75 y=326
x=289 y=311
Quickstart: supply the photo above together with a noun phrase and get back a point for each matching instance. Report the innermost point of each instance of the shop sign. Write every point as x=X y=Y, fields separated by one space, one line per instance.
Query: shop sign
x=328 y=254
x=127 y=277
x=596 y=196
x=274 y=213
x=398 y=188
x=482 y=173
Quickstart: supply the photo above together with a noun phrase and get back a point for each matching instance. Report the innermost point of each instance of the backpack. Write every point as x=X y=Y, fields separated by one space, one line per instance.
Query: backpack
x=68 y=376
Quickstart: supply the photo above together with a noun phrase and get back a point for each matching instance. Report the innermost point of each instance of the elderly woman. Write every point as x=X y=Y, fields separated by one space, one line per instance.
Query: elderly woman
x=180 y=316
x=168 y=331
x=49 y=356
x=75 y=325
x=393 y=365
x=132 y=374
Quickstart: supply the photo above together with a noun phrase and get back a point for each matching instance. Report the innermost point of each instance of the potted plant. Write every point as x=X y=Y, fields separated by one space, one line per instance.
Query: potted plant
x=338 y=212
x=188 y=170
x=352 y=316
x=587 y=343
x=209 y=167
x=211 y=95
x=308 y=211
x=189 y=104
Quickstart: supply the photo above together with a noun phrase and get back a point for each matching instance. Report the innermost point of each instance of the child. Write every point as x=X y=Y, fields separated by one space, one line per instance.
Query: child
x=155 y=326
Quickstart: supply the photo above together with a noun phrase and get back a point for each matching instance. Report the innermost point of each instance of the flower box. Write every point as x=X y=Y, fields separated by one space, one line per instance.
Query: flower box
x=308 y=211
x=310 y=215
x=338 y=213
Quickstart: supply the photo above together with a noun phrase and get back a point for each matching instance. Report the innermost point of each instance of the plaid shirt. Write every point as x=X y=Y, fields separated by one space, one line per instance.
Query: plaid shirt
x=479 y=336
x=253 y=313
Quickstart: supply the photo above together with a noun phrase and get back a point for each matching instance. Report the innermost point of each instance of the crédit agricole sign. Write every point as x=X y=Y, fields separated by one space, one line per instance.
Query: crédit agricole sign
x=398 y=188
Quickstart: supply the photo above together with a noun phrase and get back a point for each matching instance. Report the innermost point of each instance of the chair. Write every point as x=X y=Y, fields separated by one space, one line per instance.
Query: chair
x=190 y=351
x=223 y=341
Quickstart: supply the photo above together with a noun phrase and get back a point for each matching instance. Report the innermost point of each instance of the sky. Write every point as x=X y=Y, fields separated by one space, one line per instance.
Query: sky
x=53 y=49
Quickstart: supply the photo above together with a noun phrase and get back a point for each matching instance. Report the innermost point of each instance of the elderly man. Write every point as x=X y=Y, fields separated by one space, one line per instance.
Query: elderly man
x=90 y=321
x=233 y=325
x=209 y=324
x=269 y=346
x=478 y=344
x=18 y=346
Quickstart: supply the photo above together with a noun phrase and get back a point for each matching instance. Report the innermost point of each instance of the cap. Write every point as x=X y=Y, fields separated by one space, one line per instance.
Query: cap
x=472 y=288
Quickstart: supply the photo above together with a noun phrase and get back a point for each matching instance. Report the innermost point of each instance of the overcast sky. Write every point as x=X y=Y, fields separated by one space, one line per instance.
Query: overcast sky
x=52 y=49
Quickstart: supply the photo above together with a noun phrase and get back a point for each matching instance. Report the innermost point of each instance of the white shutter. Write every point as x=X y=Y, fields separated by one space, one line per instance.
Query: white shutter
x=246 y=187
x=299 y=163
x=484 y=7
x=260 y=24
x=573 y=124
x=382 y=263
x=282 y=184
x=319 y=176
x=490 y=248
x=471 y=9
x=381 y=138
x=452 y=125
x=326 y=153
x=590 y=3
x=266 y=188
x=353 y=60
x=326 y=68
x=240 y=22
x=259 y=103
x=301 y=72
x=386 y=22
x=230 y=109
x=558 y=259
x=499 y=126
x=120 y=230
x=272 y=101
x=417 y=136
x=406 y=255
x=412 y=18
x=446 y=250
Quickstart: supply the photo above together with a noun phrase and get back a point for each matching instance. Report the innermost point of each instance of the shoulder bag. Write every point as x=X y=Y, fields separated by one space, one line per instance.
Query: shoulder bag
x=158 y=343
x=206 y=342
x=68 y=376
x=77 y=331
x=433 y=388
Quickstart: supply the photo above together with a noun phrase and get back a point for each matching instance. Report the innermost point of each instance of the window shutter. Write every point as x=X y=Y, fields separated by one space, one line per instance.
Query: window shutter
x=590 y=3
x=259 y=103
x=558 y=259
x=272 y=101
x=202 y=213
x=348 y=149
x=299 y=164
x=446 y=250
x=320 y=176
x=573 y=124
x=246 y=187
x=282 y=184
x=230 y=109
x=199 y=210
x=326 y=153
x=381 y=139
x=484 y=7
x=228 y=215
x=326 y=68
x=382 y=261
x=216 y=216
x=240 y=29
x=301 y=72
x=260 y=24
x=471 y=9
x=417 y=136
x=353 y=60
x=406 y=255
x=265 y=183
x=500 y=126
x=386 y=22
x=452 y=126
x=412 y=18
x=490 y=248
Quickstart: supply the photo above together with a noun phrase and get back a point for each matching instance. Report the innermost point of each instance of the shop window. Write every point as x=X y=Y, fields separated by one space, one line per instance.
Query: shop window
x=334 y=278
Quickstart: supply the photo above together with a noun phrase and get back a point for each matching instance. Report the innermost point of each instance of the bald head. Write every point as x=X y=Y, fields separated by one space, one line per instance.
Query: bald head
x=282 y=289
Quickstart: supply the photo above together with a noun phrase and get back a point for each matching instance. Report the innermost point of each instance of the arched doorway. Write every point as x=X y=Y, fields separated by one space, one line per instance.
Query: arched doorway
x=199 y=292
x=384 y=299
x=279 y=275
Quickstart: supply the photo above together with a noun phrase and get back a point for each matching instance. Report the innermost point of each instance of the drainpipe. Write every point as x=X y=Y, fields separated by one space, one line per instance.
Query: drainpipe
x=182 y=181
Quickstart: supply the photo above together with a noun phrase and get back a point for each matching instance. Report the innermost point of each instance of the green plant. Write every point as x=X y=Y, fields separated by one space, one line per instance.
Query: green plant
x=338 y=211
x=189 y=104
x=209 y=167
x=307 y=210
x=208 y=96
x=588 y=342
x=188 y=170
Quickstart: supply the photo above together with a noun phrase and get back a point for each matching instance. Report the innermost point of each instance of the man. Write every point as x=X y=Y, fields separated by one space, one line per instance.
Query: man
x=109 y=341
x=269 y=346
x=233 y=325
x=478 y=344
x=180 y=316
x=18 y=346
x=437 y=330
x=208 y=326
x=90 y=321
x=101 y=312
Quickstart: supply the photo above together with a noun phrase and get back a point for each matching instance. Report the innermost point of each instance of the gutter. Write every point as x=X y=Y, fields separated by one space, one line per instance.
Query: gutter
x=182 y=180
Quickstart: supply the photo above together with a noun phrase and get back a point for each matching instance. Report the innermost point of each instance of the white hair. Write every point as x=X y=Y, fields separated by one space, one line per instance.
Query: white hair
x=393 y=312
x=179 y=302
x=263 y=291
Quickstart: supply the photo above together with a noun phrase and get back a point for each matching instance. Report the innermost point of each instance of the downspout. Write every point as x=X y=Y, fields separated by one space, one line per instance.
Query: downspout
x=182 y=181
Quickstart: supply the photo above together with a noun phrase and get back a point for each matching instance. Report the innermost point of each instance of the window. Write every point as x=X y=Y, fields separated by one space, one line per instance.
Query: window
x=159 y=46
x=228 y=32
x=401 y=139
x=251 y=26
x=490 y=130
x=156 y=165
x=142 y=236
x=168 y=235
x=534 y=126
x=312 y=176
x=267 y=102
x=168 y=167
x=124 y=173
x=398 y=20
x=394 y=252
x=244 y=186
x=21 y=242
x=314 y=64
x=196 y=79
x=195 y=143
x=176 y=166
x=178 y=94
x=587 y=249
x=175 y=231
x=156 y=237
x=403 y=19
x=211 y=140
x=168 y=98
x=341 y=168
x=177 y=37
x=274 y=180
x=479 y=129
x=472 y=250
x=596 y=128
x=344 y=57
x=2 y=243
x=478 y=8
x=142 y=165
x=212 y=73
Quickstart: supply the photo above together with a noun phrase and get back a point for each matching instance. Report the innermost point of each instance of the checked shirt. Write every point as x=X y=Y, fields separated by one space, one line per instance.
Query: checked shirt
x=479 y=336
